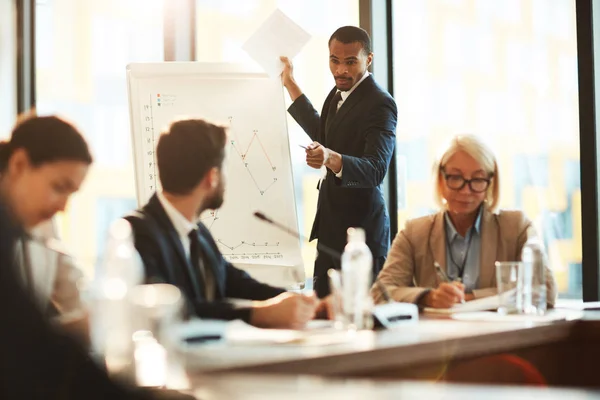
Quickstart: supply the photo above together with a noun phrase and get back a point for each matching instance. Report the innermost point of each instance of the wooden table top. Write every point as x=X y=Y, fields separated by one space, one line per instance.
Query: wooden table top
x=427 y=341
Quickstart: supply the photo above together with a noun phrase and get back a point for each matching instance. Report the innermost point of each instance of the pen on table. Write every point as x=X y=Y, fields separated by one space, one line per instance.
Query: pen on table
x=443 y=277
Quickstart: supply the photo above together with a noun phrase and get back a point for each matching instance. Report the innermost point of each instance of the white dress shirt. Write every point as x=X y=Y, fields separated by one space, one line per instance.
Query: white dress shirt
x=182 y=225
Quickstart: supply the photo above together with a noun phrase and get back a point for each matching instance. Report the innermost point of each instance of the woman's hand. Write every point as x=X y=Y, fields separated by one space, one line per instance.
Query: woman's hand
x=445 y=296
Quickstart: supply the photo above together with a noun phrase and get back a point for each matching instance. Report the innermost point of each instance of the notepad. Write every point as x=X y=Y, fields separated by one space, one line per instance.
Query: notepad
x=484 y=304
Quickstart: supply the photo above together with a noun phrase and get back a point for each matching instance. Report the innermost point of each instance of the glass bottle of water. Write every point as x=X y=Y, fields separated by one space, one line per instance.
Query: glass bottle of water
x=112 y=318
x=357 y=267
x=533 y=277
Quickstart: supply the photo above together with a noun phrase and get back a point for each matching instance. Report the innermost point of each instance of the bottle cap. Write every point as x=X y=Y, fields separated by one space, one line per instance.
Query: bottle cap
x=356 y=235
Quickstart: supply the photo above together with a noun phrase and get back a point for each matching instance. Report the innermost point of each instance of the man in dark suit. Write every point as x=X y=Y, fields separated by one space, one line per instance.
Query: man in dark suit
x=177 y=249
x=354 y=138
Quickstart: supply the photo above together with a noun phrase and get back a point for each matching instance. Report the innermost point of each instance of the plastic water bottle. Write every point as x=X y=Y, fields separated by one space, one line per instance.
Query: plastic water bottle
x=533 y=277
x=112 y=316
x=357 y=267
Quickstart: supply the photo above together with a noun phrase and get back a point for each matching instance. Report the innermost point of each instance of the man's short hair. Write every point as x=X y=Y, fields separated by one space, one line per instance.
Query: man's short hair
x=351 y=34
x=187 y=151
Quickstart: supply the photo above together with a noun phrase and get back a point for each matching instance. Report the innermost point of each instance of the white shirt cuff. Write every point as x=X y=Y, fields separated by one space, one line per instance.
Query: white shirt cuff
x=339 y=174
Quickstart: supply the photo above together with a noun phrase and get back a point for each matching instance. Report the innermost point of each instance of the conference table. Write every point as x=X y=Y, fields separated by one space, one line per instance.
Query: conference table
x=563 y=352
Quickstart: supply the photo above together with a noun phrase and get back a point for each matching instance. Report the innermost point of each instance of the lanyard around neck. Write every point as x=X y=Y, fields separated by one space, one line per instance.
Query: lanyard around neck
x=461 y=267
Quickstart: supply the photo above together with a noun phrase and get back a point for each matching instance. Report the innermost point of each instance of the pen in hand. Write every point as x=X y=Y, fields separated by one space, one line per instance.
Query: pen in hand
x=443 y=277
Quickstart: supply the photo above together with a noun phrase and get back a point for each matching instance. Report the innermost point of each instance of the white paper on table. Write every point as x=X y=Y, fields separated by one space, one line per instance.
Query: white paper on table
x=483 y=304
x=240 y=333
x=277 y=36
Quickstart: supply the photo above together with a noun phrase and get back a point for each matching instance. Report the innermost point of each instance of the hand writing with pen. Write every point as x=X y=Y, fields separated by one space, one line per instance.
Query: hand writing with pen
x=448 y=293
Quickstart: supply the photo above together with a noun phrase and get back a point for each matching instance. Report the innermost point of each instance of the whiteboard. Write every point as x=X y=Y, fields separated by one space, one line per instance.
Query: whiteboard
x=258 y=172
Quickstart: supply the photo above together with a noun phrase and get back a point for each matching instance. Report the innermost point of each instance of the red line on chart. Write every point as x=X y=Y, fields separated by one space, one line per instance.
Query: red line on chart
x=214 y=216
x=245 y=153
x=263 y=149
x=249 y=145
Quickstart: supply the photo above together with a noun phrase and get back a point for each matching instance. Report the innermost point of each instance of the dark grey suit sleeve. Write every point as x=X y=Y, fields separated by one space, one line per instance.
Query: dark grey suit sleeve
x=306 y=116
x=242 y=286
x=368 y=170
x=239 y=285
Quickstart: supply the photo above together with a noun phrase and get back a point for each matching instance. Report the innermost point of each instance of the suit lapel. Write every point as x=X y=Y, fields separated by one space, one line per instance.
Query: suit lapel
x=181 y=272
x=489 y=249
x=355 y=98
x=212 y=260
x=323 y=137
x=438 y=240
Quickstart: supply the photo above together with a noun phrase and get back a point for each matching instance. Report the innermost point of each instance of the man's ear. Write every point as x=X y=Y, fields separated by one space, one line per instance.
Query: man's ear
x=213 y=176
x=369 y=59
x=18 y=162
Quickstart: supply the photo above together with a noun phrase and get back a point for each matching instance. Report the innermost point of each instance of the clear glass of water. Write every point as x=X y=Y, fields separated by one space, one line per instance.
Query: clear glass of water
x=533 y=283
x=509 y=287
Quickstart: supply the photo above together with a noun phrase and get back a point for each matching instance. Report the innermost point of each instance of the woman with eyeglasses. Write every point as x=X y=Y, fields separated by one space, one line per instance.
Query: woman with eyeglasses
x=449 y=257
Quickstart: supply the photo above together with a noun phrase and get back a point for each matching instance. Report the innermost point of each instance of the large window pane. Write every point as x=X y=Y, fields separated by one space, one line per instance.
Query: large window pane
x=82 y=50
x=223 y=27
x=8 y=63
x=507 y=71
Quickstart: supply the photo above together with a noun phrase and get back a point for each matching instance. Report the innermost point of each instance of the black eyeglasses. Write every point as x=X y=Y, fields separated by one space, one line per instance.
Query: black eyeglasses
x=457 y=182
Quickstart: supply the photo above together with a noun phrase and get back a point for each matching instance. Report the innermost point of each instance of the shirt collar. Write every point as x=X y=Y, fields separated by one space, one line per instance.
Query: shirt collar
x=182 y=225
x=349 y=92
x=451 y=230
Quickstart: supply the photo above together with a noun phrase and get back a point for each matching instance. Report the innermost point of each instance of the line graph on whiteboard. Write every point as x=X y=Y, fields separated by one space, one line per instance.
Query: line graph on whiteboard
x=251 y=250
x=244 y=154
x=252 y=170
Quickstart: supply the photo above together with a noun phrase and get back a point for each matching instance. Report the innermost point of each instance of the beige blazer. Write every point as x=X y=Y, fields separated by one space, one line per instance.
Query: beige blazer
x=409 y=270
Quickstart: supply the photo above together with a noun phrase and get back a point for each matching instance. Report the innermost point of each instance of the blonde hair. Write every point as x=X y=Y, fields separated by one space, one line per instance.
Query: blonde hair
x=477 y=149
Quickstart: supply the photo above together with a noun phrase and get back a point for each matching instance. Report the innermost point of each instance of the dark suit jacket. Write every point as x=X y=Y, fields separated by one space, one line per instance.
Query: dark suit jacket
x=363 y=131
x=35 y=361
x=164 y=259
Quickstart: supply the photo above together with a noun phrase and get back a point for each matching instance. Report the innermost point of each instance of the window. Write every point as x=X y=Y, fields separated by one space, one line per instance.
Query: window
x=507 y=71
x=82 y=50
x=223 y=27
x=8 y=64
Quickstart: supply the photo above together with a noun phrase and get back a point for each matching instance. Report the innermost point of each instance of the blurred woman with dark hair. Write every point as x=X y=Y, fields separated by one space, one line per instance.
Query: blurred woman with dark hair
x=41 y=166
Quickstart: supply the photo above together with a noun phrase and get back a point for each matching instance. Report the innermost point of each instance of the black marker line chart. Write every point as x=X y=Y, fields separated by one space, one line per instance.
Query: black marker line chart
x=227 y=248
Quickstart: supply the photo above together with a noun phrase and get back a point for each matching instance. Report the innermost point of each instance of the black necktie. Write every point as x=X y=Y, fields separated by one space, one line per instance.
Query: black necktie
x=203 y=272
x=332 y=110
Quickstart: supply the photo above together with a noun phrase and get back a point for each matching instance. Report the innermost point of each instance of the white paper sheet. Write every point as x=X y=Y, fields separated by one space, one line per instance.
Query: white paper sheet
x=486 y=303
x=277 y=36
x=317 y=334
